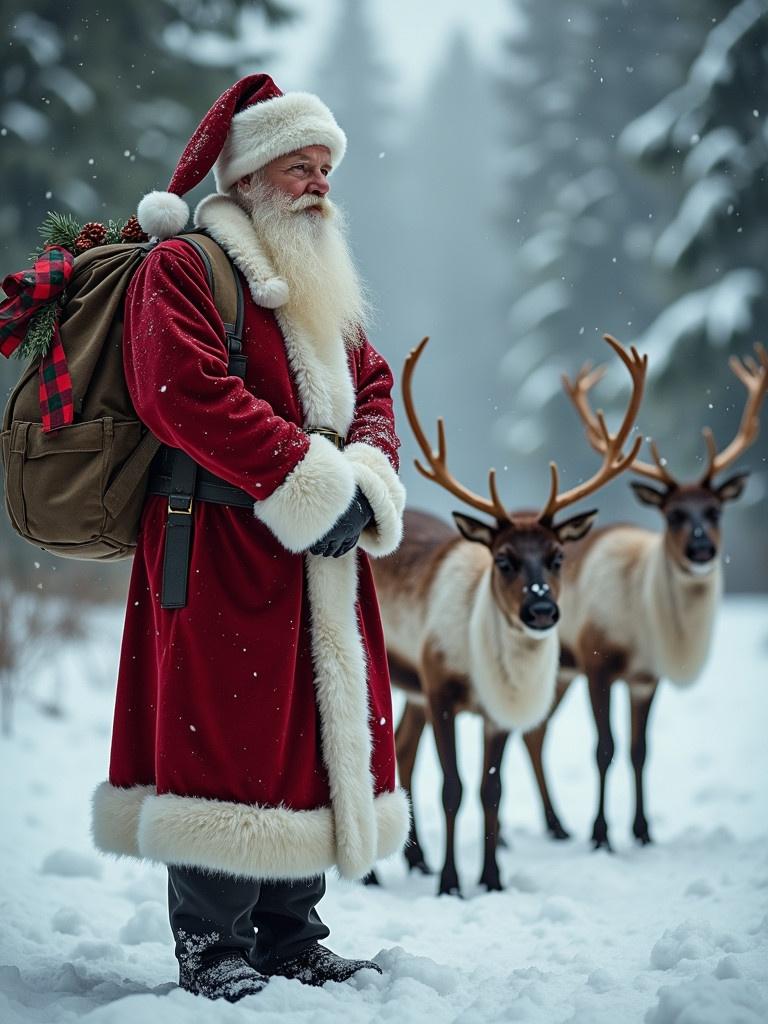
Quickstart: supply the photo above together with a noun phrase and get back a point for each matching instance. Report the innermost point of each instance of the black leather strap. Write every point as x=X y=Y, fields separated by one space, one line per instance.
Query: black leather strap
x=206 y=489
x=178 y=531
x=176 y=473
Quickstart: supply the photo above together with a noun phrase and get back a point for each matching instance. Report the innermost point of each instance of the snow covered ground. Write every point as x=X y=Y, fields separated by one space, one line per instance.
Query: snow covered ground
x=672 y=934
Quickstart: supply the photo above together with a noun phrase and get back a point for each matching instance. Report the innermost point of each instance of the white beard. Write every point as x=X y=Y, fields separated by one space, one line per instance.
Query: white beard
x=326 y=296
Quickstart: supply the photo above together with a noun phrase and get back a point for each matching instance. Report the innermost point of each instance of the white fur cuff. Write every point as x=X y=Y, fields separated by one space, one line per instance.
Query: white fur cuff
x=237 y=839
x=374 y=475
x=311 y=498
x=115 y=818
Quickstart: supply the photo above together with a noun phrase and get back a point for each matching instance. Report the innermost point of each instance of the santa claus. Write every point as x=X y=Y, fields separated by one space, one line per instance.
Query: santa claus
x=252 y=746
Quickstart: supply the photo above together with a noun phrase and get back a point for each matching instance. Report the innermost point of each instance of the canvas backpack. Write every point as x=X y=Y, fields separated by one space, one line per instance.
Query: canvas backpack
x=78 y=491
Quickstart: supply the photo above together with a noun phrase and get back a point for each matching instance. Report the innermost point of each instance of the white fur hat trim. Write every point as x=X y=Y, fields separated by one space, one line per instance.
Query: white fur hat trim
x=267 y=130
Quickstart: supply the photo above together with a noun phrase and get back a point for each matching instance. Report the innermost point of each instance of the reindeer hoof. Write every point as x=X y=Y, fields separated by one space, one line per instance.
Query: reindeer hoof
x=602 y=844
x=421 y=866
x=556 y=831
x=449 y=887
x=371 y=879
x=491 y=884
x=643 y=837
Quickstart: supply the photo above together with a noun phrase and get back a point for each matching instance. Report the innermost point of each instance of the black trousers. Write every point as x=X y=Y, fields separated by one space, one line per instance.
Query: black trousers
x=267 y=921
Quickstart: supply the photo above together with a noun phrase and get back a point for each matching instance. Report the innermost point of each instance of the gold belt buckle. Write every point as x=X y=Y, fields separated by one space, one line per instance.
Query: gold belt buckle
x=336 y=439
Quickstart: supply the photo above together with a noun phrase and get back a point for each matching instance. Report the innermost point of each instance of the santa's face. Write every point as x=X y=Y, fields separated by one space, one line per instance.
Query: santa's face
x=301 y=173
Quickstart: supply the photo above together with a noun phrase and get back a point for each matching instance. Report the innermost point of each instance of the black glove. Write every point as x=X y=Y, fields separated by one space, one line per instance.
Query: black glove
x=345 y=532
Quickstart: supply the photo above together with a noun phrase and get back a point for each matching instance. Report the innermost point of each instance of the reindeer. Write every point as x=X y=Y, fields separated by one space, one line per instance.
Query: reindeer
x=470 y=621
x=639 y=605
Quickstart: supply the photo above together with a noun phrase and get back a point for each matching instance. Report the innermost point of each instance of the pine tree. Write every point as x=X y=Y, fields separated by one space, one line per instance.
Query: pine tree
x=446 y=269
x=99 y=100
x=706 y=141
x=582 y=229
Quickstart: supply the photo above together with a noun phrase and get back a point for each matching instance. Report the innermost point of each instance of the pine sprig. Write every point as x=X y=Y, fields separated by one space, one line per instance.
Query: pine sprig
x=114 y=229
x=60 y=229
x=39 y=334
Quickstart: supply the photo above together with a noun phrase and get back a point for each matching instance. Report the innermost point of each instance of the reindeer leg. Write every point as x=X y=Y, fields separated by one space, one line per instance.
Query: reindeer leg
x=443 y=713
x=600 y=696
x=534 y=742
x=640 y=704
x=407 y=738
x=494 y=743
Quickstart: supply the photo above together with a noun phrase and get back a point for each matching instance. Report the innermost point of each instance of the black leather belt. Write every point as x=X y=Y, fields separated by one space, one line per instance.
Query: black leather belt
x=175 y=475
x=207 y=488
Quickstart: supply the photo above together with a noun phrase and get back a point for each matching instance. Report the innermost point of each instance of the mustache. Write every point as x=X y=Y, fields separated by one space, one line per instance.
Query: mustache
x=306 y=202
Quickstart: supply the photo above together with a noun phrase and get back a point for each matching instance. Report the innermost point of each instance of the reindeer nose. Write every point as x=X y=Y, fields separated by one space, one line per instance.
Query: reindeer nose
x=541 y=613
x=700 y=549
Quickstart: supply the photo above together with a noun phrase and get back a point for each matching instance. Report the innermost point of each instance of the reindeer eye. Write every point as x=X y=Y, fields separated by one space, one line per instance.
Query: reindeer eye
x=676 y=518
x=712 y=514
x=555 y=562
x=507 y=566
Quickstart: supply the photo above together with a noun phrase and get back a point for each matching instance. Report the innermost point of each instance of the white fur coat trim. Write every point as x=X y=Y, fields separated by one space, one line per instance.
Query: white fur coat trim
x=232 y=228
x=322 y=375
x=324 y=383
x=377 y=479
x=310 y=499
x=238 y=839
x=514 y=674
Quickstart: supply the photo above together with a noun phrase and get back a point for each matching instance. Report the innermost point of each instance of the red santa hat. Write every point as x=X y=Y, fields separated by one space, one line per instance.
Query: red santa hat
x=249 y=125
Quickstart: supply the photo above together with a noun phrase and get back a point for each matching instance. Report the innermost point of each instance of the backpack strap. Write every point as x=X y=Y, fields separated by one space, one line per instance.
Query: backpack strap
x=227 y=291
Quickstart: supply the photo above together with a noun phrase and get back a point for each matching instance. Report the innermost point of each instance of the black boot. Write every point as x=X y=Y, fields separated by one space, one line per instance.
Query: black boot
x=318 y=964
x=210 y=918
x=289 y=934
x=229 y=976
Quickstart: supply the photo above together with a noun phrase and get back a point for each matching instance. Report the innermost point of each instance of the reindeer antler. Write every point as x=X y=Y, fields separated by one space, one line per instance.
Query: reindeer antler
x=578 y=390
x=609 y=445
x=438 y=460
x=754 y=377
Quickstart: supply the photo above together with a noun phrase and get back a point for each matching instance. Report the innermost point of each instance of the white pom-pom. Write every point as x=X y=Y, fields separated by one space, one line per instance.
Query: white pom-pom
x=271 y=293
x=162 y=214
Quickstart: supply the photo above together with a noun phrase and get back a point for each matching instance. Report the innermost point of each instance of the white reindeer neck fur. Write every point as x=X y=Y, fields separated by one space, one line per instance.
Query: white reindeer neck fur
x=512 y=673
x=627 y=588
x=681 y=607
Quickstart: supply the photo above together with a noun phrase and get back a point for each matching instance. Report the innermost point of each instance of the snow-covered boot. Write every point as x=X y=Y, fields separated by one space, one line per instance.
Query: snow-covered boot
x=229 y=976
x=210 y=918
x=318 y=964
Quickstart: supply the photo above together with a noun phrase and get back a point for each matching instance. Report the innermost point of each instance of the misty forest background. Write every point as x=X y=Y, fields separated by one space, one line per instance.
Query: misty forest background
x=606 y=171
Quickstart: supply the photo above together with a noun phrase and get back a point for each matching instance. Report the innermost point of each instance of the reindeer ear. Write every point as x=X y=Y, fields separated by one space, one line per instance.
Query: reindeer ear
x=647 y=495
x=473 y=529
x=576 y=527
x=733 y=487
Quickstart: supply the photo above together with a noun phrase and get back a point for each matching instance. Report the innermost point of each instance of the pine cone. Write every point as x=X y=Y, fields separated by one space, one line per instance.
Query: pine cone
x=91 y=234
x=132 y=231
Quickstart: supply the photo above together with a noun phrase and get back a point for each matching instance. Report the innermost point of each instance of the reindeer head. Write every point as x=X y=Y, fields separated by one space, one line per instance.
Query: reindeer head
x=527 y=558
x=692 y=511
x=528 y=549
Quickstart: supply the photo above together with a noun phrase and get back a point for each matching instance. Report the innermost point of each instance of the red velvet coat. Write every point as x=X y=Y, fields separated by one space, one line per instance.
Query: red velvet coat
x=253 y=727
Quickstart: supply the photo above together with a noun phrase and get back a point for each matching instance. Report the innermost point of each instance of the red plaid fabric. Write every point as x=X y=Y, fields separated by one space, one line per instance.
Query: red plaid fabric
x=28 y=291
